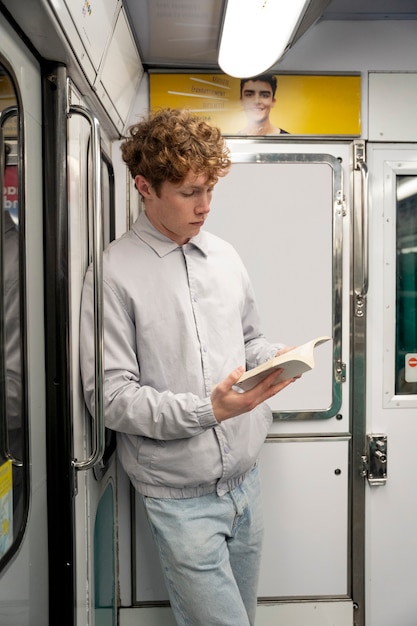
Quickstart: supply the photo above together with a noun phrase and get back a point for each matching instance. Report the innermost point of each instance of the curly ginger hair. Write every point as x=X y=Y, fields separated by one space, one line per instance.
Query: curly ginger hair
x=171 y=143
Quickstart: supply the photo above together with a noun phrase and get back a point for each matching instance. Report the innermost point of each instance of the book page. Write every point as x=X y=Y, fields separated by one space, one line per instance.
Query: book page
x=292 y=363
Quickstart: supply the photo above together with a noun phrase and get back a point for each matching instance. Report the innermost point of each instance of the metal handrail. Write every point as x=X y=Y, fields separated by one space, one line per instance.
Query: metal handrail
x=99 y=442
x=11 y=111
x=362 y=291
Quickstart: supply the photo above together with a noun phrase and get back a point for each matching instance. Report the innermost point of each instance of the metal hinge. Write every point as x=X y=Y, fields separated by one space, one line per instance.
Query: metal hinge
x=68 y=95
x=340 y=203
x=340 y=371
x=74 y=478
x=374 y=464
x=359 y=155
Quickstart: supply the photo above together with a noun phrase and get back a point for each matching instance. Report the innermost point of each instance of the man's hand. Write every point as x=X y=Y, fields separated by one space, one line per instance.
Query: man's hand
x=229 y=403
x=284 y=350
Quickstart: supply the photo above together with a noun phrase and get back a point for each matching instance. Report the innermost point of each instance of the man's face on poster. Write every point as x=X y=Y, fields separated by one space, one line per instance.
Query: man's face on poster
x=257 y=100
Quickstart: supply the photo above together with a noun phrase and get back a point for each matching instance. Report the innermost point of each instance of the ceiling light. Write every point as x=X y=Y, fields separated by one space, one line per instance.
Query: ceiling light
x=255 y=34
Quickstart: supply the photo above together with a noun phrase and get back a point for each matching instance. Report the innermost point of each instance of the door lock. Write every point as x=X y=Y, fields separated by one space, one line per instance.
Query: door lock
x=375 y=463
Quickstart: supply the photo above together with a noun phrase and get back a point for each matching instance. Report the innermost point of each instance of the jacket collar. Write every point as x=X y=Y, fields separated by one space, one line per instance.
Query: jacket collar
x=161 y=244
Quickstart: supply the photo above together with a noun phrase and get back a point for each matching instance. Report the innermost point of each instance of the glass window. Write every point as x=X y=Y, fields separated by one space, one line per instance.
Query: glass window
x=13 y=427
x=406 y=286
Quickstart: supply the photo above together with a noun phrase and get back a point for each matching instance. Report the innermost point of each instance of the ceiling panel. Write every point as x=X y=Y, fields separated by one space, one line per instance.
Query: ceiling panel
x=185 y=33
x=176 y=32
x=371 y=10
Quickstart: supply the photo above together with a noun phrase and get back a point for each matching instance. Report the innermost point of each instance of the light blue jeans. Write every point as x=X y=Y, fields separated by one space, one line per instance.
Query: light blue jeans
x=210 y=551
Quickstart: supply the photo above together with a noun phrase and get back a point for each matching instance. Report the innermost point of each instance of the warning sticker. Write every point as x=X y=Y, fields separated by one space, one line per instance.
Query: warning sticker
x=6 y=507
x=411 y=367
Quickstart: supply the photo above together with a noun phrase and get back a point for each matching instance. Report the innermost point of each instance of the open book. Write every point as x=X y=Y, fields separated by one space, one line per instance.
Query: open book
x=294 y=363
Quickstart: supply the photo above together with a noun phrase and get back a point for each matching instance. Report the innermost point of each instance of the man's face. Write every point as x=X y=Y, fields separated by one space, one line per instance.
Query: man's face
x=257 y=100
x=180 y=210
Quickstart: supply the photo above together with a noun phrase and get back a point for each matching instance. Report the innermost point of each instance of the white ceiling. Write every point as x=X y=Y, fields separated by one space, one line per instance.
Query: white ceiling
x=185 y=33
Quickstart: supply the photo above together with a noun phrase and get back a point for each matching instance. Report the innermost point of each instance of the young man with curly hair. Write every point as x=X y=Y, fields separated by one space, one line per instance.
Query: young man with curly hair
x=180 y=325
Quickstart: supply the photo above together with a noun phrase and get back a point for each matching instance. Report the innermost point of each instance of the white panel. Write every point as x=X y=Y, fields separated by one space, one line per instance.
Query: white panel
x=71 y=34
x=391 y=510
x=288 y=614
x=94 y=23
x=290 y=270
x=121 y=71
x=354 y=45
x=155 y=616
x=392 y=106
x=306 y=613
x=124 y=189
x=305 y=494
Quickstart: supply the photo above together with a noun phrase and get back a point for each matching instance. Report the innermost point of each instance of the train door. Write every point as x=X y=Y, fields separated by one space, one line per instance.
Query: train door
x=23 y=498
x=79 y=223
x=391 y=378
x=290 y=222
x=287 y=210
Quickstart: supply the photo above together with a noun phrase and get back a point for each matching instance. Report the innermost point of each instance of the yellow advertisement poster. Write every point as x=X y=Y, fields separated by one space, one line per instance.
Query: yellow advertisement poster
x=6 y=507
x=270 y=104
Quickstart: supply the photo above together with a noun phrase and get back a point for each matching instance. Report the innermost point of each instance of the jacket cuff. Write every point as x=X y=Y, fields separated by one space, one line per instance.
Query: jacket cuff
x=205 y=415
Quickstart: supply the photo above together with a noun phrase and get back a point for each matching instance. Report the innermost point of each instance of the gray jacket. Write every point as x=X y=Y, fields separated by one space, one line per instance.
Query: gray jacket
x=177 y=320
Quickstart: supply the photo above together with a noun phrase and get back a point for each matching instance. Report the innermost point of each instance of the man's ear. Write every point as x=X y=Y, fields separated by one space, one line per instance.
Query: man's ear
x=142 y=185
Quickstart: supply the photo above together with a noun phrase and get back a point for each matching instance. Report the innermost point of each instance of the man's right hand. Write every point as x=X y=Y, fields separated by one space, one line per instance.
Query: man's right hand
x=227 y=402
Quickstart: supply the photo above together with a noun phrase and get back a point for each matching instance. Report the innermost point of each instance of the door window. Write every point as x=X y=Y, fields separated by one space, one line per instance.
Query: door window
x=13 y=419
x=406 y=286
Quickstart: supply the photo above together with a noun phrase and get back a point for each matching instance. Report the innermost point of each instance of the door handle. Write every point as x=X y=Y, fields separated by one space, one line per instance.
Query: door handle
x=362 y=290
x=98 y=430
